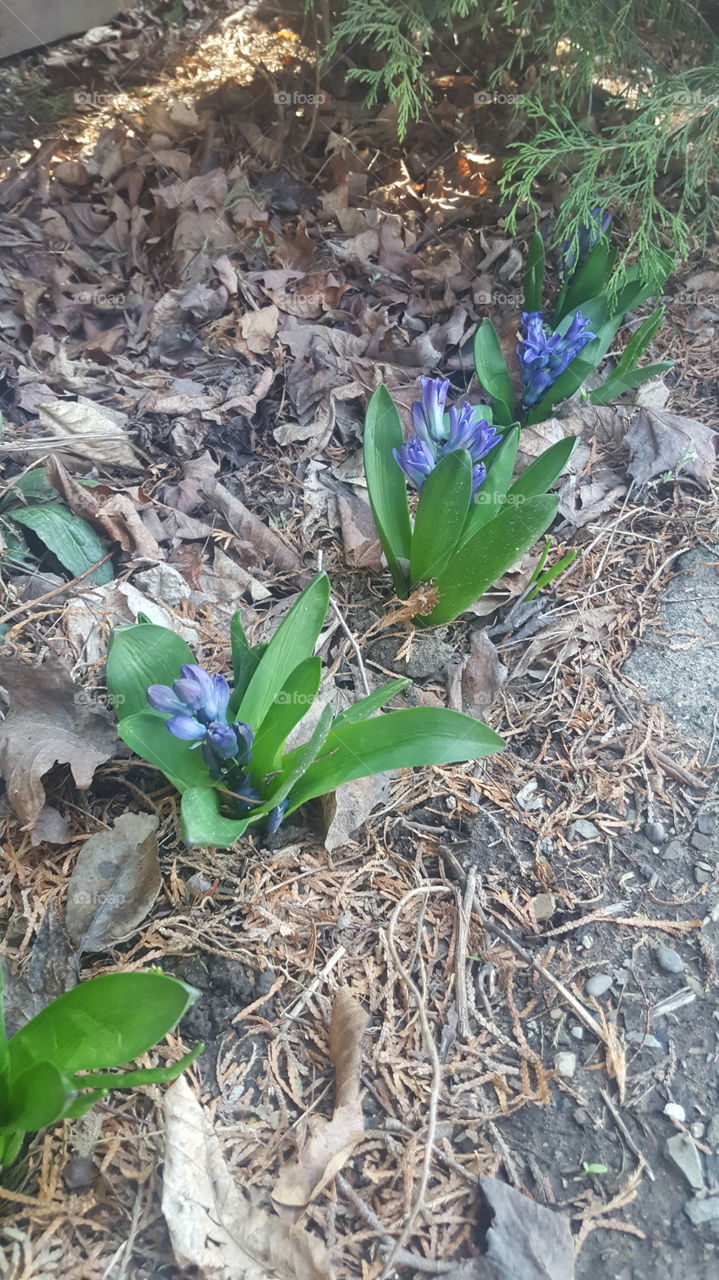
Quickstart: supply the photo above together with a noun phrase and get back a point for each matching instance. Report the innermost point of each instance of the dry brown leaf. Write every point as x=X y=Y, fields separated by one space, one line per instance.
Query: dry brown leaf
x=329 y=1143
x=212 y=1225
x=359 y=532
x=664 y=442
x=263 y=544
x=114 y=882
x=258 y=329
x=348 y=808
x=116 y=515
x=47 y=722
x=94 y=432
x=475 y=682
x=525 y=1241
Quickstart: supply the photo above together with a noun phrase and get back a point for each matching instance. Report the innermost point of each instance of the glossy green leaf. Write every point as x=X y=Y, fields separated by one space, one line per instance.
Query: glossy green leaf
x=148 y=736
x=612 y=388
x=104 y=1022
x=490 y=498
x=293 y=641
x=397 y=740
x=367 y=707
x=203 y=824
x=490 y=553
x=588 y=281
x=296 y=763
x=542 y=580
x=139 y=656
x=493 y=373
x=38 y=1096
x=142 y=1076
x=70 y=538
x=10 y=1147
x=441 y=514
x=243 y=673
x=387 y=485
x=534 y=274
x=291 y=703
x=540 y=474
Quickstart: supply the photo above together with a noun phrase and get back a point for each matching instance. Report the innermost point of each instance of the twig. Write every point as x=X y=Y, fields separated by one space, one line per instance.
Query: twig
x=30 y=604
x=464 y=916
x=360 y=663
x=433 y=1056
x=317 y=981
x=627 y=1135
x=402 y=1257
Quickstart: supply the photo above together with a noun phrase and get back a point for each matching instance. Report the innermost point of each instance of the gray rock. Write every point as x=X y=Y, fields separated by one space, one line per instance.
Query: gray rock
x=675 y=849
x=587 y=941
x=685 y=1156
x=598 y=984
x=577 y=1032
x=669 y=960
x=565 y=1064
x=713 y=1131
x=701 y=1211
x=655 y=832
x=644 y=1040
x=706 y=823
x=701 y=874
x=702 y=843
x=585 y=830
x=675 y=1112
x=545 y=905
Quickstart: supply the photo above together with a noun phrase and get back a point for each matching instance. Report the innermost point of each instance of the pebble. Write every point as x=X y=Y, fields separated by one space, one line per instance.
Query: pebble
x=598 y=984
x=78 y=1173
x=545 y=905
x=702 y=843
x=587 y=941
x=675 y=1112
x=556 y=1014
x=697 y=1129
x=706 y=823
x=669 y=960
x=585 y=829
x=683 y=1152
x=702 y=874
x=565 y=1064
x=701 y=1211
x=199 y=883
x=675 y=849
x=644 y=1040
x=655 y=832
x=526 y=798
x=577 y=1032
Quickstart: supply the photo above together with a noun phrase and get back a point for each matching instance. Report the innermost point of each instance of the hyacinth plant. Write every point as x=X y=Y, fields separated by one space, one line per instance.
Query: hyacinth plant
x=472 y=521
x=225 y=749
x=556 y=359
x=55 y=1066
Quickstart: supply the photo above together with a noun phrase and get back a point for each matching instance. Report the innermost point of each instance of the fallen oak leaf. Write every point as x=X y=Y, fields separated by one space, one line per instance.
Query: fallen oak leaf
x=330 y=1143
x=48 y=722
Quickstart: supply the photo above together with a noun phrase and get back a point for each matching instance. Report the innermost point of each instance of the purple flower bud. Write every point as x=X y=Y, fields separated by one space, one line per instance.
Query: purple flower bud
x=186 y=727
x=205 y=695
x=222 y=740
x=428 y=413
x=588 y=235
x=244 y=737
x=275 y=816
x=466 y=429
x=416 y=459
x=543 y=355
x=162 y=698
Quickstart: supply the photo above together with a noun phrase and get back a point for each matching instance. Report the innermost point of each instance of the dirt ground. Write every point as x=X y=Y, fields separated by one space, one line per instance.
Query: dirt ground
x=226 y=279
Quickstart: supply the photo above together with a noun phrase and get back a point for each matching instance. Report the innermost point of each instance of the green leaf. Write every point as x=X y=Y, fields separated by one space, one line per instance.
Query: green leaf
x=104 y=1022
x=296 y=763
x=367 y=707
x=203 y=824
x=588 y=281
x=139 y=656
x=441 y=514
x=491 y=496
x=70 y=538
x=397 y=740
x=294 y=640
x=489 y=554
x=534 y=274
x=541 y=580
x=291 y=703
x=142 y=1076
x=38 y=1096
x=386 y=484
x=10 y=1148
x=540 y=474
x=148 y=736
x=611 y=387
x=493 y=373
x=243 y=674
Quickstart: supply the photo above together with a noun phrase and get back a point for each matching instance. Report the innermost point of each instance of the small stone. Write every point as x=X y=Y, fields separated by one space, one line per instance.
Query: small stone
x=199 y=883
x=701 y=1211
x=577 y=1032
x=644 y=1040
x=585 y=829
x=675 y=849
x=526 y=798
x=556 y=1014
x=647 y=870
x=701 y=875
x=683 y=1152
x=675 y=1112
x=78 y=1173
x=702 y=843
x=545 y=905
x=697 y=1129
x=565 y=1064
x=669 y=960
x=655 y=832
x=713 y=1131
x=587 y=941
x=706 y=823
x=598 y=984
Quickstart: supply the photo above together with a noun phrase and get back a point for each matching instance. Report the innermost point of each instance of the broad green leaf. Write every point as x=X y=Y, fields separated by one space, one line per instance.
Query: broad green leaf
x=10 y=1147
x=493 y=373
x=294 y=640
x=38 y=1096
x=291 y=703
x=239 y=645
x=534 y=274
x=441 y=513
x=612 y=387
x=296 y=763
x=491 y=496
x=367 y=707
x=104 y=1022
x=203 y=824
x=149 y=737
x=489 y=554
x=540 y=474
x=397 y=740
x=30 y=487
x=243 y=675
x=386 y=484
x=139 y=656
x=142 y=1076
x=588 y=281
x=70 y=538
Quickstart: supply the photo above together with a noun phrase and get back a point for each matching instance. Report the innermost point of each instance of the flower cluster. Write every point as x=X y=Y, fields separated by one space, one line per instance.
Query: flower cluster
x=543 y=355
x=197 y=705
x=588 y=236
x=438 y=432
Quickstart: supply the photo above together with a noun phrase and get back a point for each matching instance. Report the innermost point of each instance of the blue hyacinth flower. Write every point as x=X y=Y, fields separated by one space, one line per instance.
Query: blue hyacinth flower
x=543 y=355
x=197 y=706
x=438 y=432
